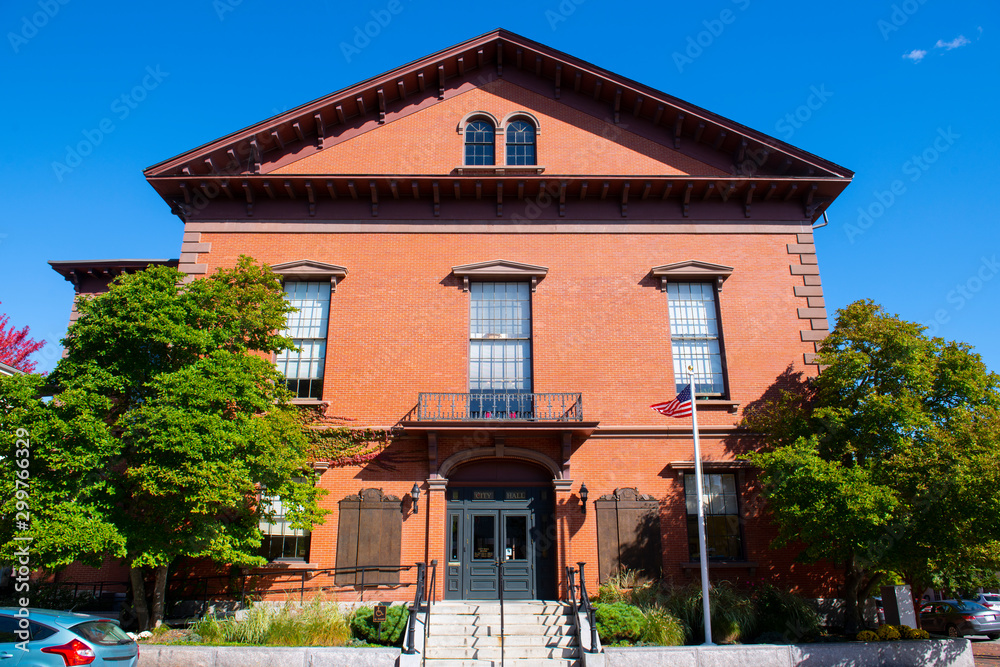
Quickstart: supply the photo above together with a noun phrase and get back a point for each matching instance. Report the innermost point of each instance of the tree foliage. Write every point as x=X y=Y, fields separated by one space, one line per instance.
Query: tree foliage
x=889 y=460
x=16 y=346
x=167 y=422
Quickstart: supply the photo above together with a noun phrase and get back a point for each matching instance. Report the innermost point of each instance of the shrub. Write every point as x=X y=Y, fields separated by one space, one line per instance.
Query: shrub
x=396 y=618
x=785 y=613
x=868 y=636
x=771 y=638
x=733 y=612
x=618 y=587
x=906 y=632
x=316 y=624
x=661 y=628
x=888 y=633
x=618 y=622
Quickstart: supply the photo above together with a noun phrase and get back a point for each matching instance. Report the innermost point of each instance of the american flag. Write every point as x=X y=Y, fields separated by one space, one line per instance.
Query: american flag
x=679 y=407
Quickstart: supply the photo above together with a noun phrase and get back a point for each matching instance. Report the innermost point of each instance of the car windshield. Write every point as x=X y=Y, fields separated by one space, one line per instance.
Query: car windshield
x=102 y=632
x=992 y=598
x=965 y=605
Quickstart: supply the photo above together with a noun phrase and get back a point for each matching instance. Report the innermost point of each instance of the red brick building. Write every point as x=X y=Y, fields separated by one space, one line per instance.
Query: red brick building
x=503 y=255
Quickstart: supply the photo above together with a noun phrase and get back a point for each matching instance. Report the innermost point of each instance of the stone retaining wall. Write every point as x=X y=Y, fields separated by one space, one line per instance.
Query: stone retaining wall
x=264 y=656
x=936 y=653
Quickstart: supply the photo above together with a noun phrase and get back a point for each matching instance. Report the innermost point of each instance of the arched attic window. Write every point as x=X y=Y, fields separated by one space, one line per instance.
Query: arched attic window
x=521 y=142
x=479 y=142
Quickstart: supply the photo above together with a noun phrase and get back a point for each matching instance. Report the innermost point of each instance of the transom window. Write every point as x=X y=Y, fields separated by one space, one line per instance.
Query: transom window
x=479 y=149
x=500 y=350
x=281 y=541
x=520 y=143
x=722 y=517
x=694 y=337
x=303 y=368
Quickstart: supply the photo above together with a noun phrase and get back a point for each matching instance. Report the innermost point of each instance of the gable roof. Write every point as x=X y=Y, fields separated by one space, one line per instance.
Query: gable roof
x=238 y=164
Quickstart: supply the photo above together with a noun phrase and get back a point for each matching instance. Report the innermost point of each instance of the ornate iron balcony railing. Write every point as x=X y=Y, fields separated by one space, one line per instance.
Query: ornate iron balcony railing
x=512 y=406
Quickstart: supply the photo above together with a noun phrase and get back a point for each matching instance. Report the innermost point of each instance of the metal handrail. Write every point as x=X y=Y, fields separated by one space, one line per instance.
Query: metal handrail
x=588 y=609
x=411 y=629
x=431 y=599
x=572 y=600
x=500 y=406
x=500 y=565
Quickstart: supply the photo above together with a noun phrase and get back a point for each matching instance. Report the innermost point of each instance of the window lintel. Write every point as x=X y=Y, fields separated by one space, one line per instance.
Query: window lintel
x=477 y=115
x=521 y=115
x=711 y=466
x=499 y=269
x=310 y=270
x=692 y=270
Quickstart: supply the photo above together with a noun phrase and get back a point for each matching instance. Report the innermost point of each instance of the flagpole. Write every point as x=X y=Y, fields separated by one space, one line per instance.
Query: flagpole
x=702 y=546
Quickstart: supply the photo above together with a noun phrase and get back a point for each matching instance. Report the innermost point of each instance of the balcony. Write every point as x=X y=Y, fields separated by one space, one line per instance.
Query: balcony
x=514 y=407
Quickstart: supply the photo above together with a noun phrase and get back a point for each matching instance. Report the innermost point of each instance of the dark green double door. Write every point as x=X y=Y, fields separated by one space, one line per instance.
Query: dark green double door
x=498 y=535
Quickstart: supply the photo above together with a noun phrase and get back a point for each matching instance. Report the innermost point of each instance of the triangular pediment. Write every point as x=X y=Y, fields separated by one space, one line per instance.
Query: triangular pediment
x=308 y=268
x=407 y=123
x=572 y=142
x=500 y=269
x=692 y=270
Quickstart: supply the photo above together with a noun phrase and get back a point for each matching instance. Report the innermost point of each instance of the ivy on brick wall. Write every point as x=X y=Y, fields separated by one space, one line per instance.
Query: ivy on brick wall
x=334 y=442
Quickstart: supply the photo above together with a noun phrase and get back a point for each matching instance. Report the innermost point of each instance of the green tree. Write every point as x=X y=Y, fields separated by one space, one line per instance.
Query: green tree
x=167 y=421
x=888 y=461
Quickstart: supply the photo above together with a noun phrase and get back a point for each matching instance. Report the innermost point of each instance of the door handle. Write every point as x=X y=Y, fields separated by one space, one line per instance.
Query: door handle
x=5 y=655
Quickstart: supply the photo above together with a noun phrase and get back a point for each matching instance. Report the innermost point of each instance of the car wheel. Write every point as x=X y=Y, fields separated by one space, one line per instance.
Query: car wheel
x=993 y=635
x=953 y=631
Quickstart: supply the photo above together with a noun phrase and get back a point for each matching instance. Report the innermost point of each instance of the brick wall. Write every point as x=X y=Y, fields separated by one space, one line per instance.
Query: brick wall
x=399 y=325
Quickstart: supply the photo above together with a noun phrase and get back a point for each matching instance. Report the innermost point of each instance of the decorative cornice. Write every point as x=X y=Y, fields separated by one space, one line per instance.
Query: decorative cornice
x=499 y=269
x=308 y=269
x=691 y=269
x=371 y=496
x=626 y=494
x=369 y=104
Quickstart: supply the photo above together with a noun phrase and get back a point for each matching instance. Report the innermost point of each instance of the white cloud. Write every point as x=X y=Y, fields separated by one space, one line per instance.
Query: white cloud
x=953 y=44
x=916 y=55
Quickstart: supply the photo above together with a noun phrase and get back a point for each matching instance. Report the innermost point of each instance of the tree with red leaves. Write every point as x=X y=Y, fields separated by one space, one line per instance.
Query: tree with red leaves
x=16 y=346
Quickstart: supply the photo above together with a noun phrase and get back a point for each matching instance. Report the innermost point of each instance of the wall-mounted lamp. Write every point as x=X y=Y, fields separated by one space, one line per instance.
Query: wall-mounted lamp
x=583 y=498
x=415 y=496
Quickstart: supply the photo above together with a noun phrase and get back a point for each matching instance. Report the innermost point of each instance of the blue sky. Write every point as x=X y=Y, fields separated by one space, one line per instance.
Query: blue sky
x=904 y=93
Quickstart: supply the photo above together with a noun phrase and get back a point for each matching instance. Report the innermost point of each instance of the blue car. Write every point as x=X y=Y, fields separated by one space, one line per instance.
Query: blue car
x=46 y=638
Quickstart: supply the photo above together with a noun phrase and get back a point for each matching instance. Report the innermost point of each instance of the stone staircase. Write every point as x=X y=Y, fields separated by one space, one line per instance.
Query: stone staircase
x=467 y=634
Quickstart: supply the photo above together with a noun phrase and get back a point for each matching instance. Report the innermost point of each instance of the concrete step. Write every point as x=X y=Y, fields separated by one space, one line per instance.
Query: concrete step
x=510 y=640
x=510 y=629
x=550 y=662
x=493 y=653
x=509 y=607
x=494 y=619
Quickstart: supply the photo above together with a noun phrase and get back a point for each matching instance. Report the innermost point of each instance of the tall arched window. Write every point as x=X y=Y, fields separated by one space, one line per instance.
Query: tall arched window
x=479 y=143
x=520 y=143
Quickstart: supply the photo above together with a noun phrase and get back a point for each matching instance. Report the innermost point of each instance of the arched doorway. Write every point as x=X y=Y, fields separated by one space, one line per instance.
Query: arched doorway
x=500 y=519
